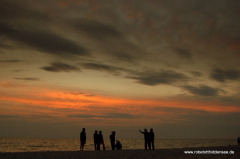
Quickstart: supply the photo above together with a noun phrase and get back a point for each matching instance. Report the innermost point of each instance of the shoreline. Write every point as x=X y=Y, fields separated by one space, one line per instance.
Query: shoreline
x=129 y=153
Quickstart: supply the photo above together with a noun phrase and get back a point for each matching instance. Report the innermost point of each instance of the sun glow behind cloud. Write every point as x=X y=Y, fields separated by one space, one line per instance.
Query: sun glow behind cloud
x=72 y=106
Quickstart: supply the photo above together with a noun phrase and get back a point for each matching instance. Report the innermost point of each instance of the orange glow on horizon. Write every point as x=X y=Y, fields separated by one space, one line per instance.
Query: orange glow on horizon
x=82 y=101
x=57 y=105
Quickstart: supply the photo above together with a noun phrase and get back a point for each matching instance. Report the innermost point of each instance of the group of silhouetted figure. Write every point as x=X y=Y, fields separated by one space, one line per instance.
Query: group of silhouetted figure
x=98 y=140
x=149 y=139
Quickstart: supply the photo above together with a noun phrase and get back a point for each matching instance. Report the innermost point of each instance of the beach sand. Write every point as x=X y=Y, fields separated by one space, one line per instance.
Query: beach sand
x=126 y=154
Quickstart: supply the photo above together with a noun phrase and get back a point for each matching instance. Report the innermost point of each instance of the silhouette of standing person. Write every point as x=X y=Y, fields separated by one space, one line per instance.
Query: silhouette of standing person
x=83 y=139
x=96 y=139
x=238 y=140
x=101 y=140
x=145 y=137
x=151 y=139
x=112 y=140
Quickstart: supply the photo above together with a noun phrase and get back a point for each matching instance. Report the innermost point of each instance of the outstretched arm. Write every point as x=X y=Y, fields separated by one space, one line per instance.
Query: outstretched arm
x=141 y=131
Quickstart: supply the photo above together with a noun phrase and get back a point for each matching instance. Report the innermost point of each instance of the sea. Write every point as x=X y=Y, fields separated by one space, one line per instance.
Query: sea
x=73 y=144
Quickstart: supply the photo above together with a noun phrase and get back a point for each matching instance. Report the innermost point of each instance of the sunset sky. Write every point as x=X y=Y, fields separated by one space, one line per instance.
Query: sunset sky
x=124 y=65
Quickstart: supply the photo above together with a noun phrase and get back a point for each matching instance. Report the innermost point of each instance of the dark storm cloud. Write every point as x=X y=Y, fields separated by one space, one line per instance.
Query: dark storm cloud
x=196 y=73
x=103 y=67
x=43 y=41
x=9 y=61
x=183 y=53
x=28 y=79
x=60 y=67
x=97 y=30
x=153 y=78
x=110 y=39
x=223 y=75
x=201 y=90
x=147 y=78
x=13 y=10
x=100 y=67
x=106 y=115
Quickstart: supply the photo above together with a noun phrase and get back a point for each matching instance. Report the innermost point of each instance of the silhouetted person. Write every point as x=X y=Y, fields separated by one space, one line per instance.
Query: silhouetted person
x=118 y=145
x=83 y=139
x=145 y=137
x=112 y=140
x=101 y=140
x=238 y=140
x=151 y=139
x=96 y=140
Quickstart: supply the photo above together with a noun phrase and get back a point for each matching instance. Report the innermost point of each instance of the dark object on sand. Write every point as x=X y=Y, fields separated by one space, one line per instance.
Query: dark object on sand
x=118 y=145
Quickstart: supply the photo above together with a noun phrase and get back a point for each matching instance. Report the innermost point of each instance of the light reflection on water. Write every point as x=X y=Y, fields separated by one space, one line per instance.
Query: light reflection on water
x=73 y=144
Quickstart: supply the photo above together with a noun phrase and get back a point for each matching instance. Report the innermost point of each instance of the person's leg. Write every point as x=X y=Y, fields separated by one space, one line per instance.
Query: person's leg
x=98 y=146
x=153 y=145
x=103 y=146
x=149 y=145
x=95 y=145
x=112 y=145
x=145 y=145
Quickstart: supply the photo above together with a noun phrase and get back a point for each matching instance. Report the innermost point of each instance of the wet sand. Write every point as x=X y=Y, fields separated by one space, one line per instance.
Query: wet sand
x=127 y=154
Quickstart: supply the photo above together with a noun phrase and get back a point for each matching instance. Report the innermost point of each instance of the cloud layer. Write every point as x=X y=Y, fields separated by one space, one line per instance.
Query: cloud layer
x=222 y=75
x=28 y=79
x=153 y=78
x=60 y=67
x=106 y=116
x=44 y=41
x=9 y=61
x=201 y=90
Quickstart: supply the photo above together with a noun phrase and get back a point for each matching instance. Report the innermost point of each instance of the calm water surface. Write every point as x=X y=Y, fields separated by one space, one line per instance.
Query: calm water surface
x=72 y=144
